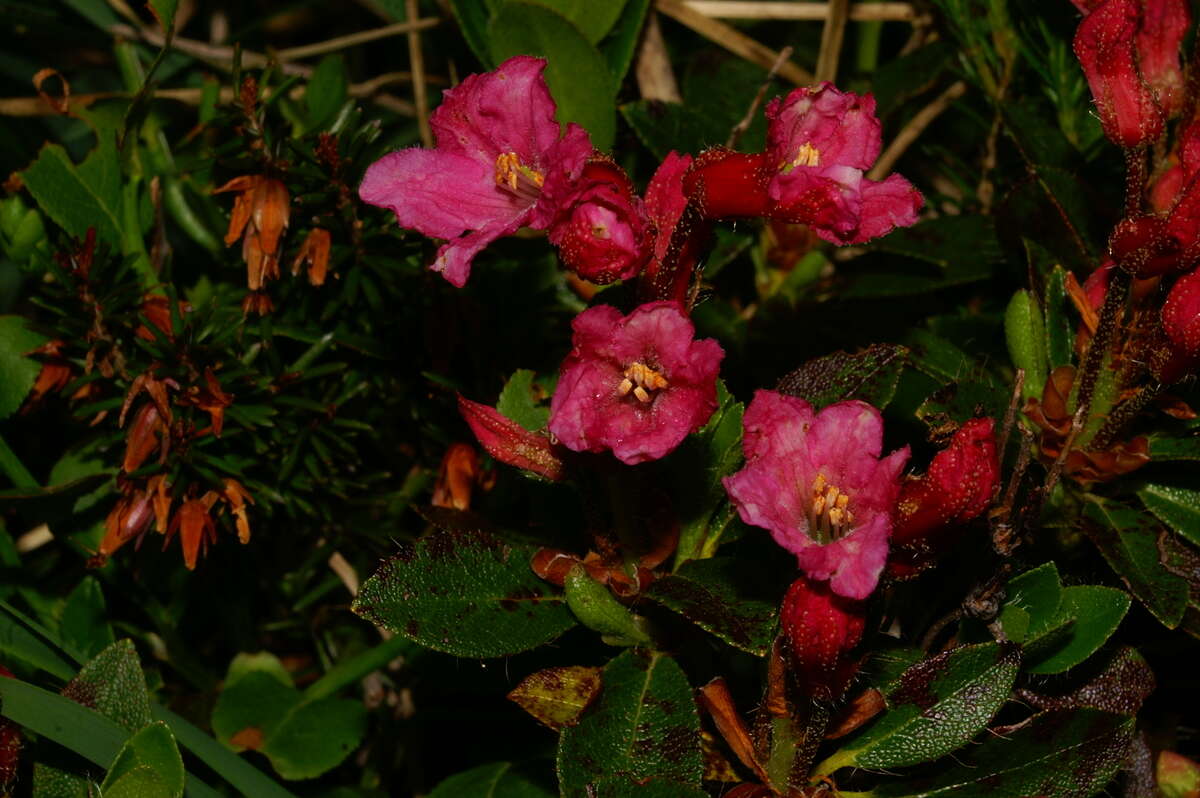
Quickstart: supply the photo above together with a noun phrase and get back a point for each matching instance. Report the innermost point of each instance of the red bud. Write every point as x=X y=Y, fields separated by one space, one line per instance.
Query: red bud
x=509 y=442
x=822 y=629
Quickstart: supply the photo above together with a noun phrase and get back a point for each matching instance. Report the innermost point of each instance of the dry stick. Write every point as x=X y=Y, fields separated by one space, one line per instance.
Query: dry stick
x=655 y=77
x=733 y=41
x=832 y=36
x=37 y=106
x=354 y=39
x=915 y=127
x=805 y=11
x=416 y=63
x=741 y=127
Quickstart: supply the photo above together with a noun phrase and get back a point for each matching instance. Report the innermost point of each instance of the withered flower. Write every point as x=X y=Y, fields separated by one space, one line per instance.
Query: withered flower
x=146 y=433
x=260 y=216
x=460 y=473
x=157 y=310
x=210 y=398
x=195 y=526
x=315 y=251
x=236 y=496
x=129 y=518
x=55 y=373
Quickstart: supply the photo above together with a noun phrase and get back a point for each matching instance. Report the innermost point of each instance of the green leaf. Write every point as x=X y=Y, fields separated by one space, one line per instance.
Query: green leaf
x=112 y=683
x=24 y=639
x=870 y=375
x=326 y=92
x=963 y=400
x=1064 y=754
x=85 y=626
x=465 y=593
x=935 y=707
x=642 y=726
x=1129 y=542
x=594 y=20
x=74 y=202
x=473 y=17
x=1176 y=506
x=140 y=782
x=946 y=241
x=1173 y=448
x=705 y=458
x=517 y=402
x=17 y=372
x=726 y=597
x=164 y=11
x=622 y=42
x=664 y=126
x=577 y=74
x=87 y=733
x=1025 y=332
x=152 y=748
x=1037 y=596
x=303 y=738
x=495 y=780
x=938 y=358
x=1098 y=612
x=631 y=788
x=1060 y=331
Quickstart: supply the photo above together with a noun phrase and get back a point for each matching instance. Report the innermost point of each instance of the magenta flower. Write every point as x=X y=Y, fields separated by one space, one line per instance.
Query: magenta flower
x=820 y=141
x=498 y=147
x=817 y=483
x=636 y=384
x=601 y=230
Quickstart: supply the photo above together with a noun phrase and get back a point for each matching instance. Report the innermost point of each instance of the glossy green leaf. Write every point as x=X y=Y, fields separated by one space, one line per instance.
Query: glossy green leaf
x=949 y=242
x=937 y=357
x=495 y=780
x=17 y=372
x=326 y=92
x=1037 y=595
x=1174 y=448
x=621 y=44
x=726 y=597
x=473 y=17
x=464 y=593
x=153 y=748
x=517 y=401
x=1097 y=612
x=577 y=74
x=594 y=20
x=642 y=726
x=1128 y=539
x=74 y=202
x=26 y=640
x=112 y=683
x=935 y=707
x=85 y=626
x=1063 y=754
x=870 y=375
x=139 y=782
x=1176 y=506
x=66 y=722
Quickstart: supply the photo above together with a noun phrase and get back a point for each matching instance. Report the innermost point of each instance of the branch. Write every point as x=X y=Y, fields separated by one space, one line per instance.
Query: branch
x=806 y=11
x=732 y=40
x=832 y=35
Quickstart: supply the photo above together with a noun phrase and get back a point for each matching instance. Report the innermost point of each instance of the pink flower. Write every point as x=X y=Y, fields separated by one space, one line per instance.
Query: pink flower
x=817 y=483
x=600 y=229
x=498 y=160
x=820 y=142
x=635 y=384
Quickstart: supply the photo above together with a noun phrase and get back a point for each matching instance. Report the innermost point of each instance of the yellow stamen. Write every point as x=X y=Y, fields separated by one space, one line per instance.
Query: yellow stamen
x=643 y=381
x=829 y=516
x=807 y=155
x=516 y=176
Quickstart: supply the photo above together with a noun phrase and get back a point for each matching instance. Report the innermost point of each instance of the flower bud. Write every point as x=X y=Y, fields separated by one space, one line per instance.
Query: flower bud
x=957 y=488
x=729 y=184
x=1143 y=246
x=509 y=442
x=1105 y=45
x=1163 y=25
x=1181 y=314
x=601 y=230
x=822 y=629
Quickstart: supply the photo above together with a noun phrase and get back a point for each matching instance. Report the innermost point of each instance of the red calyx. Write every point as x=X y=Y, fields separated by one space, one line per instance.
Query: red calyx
x=728 y=184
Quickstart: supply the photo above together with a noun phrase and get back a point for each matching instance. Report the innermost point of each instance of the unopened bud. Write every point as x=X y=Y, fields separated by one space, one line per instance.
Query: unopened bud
x=822 y=630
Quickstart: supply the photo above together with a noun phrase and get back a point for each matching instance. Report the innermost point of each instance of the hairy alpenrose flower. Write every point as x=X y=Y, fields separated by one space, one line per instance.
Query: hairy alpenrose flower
x=817 y=483
x=820 y=143
x=1129 y=50
x=498 y=164
x=636 y=385
x=600 y=229
x=822 y=629
x=1181 y=321
x=957 y=488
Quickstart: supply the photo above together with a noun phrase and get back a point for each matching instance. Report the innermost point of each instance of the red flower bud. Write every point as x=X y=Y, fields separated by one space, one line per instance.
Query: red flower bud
x=509 y=442
x=1146 y=246
x=1105 y=45
x=1163 y=25
x=822 y=629
x=957 y=488
x=729 y=184
x=1181 y=317
x=601 y=230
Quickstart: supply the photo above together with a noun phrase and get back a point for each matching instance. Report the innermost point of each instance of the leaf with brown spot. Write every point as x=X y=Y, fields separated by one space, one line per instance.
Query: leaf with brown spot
x=250 y=737
x=870 y=375
x=556 y=697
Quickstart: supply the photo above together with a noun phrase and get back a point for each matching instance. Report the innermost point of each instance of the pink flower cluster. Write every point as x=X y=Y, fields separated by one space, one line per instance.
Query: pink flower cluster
x=503 y=162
